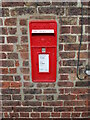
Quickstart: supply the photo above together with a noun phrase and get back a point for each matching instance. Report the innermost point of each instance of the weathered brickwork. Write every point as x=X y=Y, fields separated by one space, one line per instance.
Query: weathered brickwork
x=21 y=98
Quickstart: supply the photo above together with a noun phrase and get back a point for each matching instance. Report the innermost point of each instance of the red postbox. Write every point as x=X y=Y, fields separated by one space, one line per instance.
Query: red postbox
x=43 y=46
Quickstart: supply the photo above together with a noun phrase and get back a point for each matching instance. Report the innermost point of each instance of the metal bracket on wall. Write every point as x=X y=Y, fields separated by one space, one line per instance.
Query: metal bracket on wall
x=87 y=70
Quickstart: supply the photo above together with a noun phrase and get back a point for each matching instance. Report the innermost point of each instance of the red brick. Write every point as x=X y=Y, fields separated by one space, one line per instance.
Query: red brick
x=79 y=91
x=23 y=22
x=5 y=84
x=10 y=91
x=17 y=78
x=66 y=97
x=12 y=39
x=85 y=114
x=12 y=4
x=32 y=91
x=64 y=4
x=37 y=3
x=28 y=84
x=75 y=115
x=67 y=39
x=5 y=109
x=24 y=31
x=5 y=12
x=12 y=31
x=11 y=22
x=65 y=30
x=69 y=20
x=26 y=63
x=72 y=62
x=11 y=103
x=22 y=109
x=85 y=38
x=31 y=103
x=7 y=78
x=12 y=70
x=28 y=97
x=58 y=103
x=81 y=109
x=84 y=21
x=67 y=55
x=16 y=97
x=88 y=46
x=16 y=84
x=83 y=97
x=23 y=114
x=2 y=39
x=45 y=85
x=65 y=115
x=76 y=30
x=77 y=11
x=45 y=115
x=42 y=109
x=73 y=76
x=85 y=3
x=51 y=10
x=12 y=56
x=24 y=39
x=61 y=109
x=74 y=47
x=55 y=114
x=16 y=63
x=7 y=63
x=26 y=77
x=3 y=30
x=49 y=91
x=64 y=77
x=24 y=55
x=23 y=11
x=87 y=29
x=25 y=70
x=68 y=91
x=7 y=48
x=67 y=70
x=83 y=54
x=45 y=97
x=87 y=102
x=82 y=84
x=6 y=115
x=74 y=103
x=61 y=91
x=22 y=48
x=3 y=70
x=35 y=115
x=14 y=115
x=2 y=56
x=65 y=84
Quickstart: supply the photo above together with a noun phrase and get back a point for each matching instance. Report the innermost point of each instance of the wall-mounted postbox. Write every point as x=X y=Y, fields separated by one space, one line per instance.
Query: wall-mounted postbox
x=43 y=46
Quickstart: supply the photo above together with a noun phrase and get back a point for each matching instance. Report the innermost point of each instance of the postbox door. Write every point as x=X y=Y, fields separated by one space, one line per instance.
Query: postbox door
x=46 y=70
x=43 y=45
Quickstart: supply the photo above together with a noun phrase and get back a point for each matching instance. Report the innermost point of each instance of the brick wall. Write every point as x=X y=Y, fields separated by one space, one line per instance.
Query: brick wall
x=20 y=97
